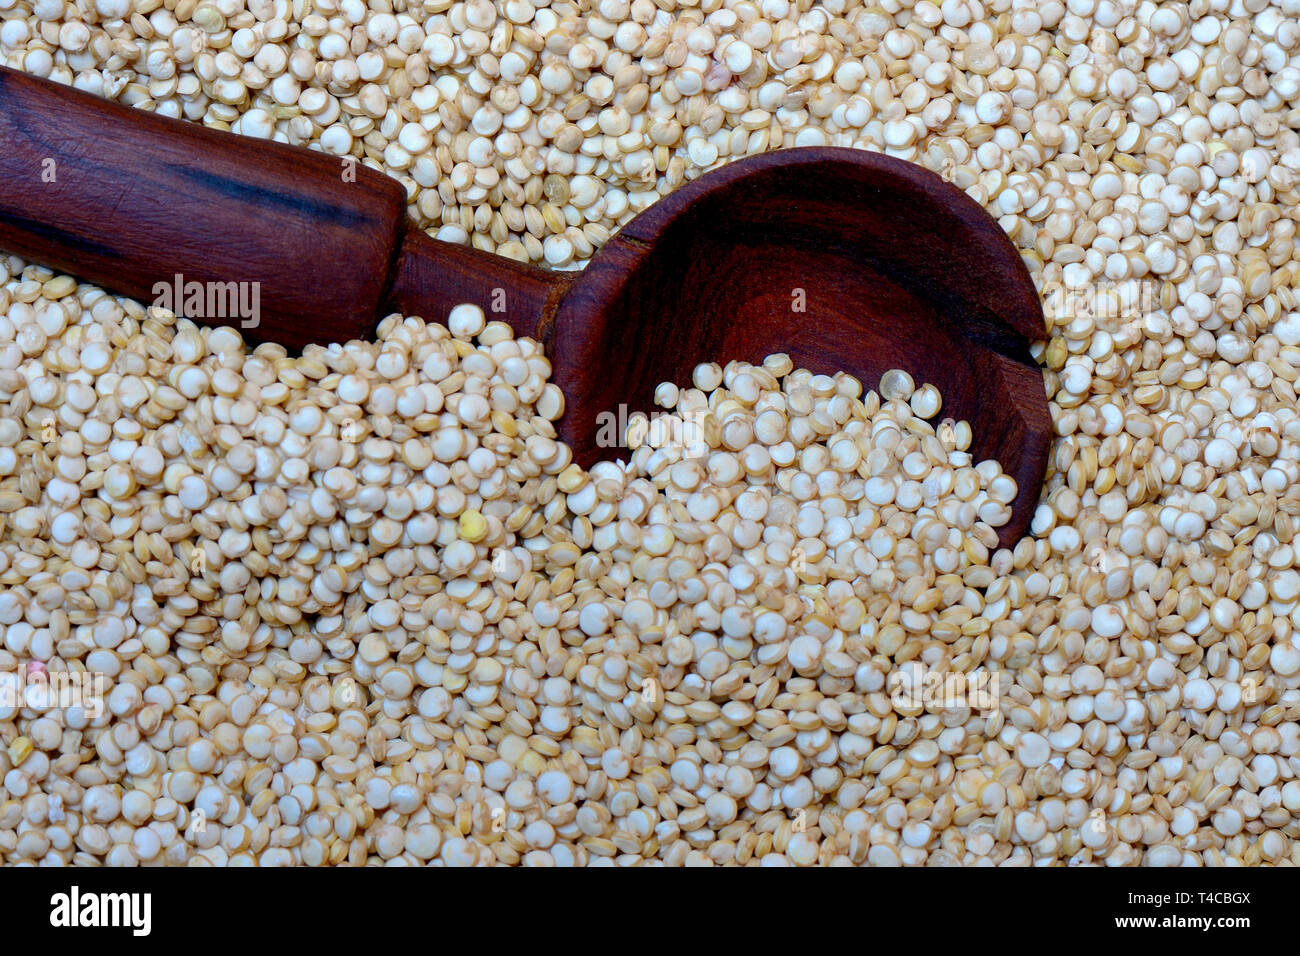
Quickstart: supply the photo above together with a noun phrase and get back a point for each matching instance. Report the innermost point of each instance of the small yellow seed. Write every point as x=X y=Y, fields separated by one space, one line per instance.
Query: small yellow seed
x=20 y=750
x=472 y=526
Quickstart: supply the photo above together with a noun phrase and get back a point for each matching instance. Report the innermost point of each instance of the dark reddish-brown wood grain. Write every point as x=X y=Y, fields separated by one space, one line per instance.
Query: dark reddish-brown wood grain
x=138 y=198
x=846 y=260
x=897 y=269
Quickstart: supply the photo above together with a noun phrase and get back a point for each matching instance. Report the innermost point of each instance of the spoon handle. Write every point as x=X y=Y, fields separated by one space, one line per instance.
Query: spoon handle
x=289 y=244
x=432 y=276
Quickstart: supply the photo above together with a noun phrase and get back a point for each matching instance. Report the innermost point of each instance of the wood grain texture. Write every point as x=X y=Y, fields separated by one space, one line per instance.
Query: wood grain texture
x=138 y=198
x=433 y=276
x=842 y=258
x=897 y=268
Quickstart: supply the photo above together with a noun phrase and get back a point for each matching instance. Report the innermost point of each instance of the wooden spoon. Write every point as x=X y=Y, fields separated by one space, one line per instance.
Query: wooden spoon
x=845 y=259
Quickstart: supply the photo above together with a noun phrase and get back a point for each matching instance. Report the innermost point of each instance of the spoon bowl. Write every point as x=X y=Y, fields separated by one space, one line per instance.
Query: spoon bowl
x=845 y=260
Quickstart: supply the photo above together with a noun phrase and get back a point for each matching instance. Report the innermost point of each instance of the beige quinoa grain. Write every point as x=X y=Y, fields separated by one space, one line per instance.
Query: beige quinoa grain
x=362 y=596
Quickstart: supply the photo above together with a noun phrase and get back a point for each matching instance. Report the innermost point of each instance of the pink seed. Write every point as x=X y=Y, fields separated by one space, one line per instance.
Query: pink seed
x=36 y=671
